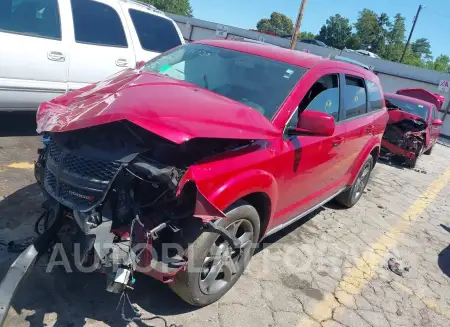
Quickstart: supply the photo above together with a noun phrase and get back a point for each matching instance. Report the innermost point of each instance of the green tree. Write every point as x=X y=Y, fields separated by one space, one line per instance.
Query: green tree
x=441 y=63
x=397 y=32
x=422 y=48
x=372 y=30
x=336 y=31
x=306 y=35
x=179 y=7
x=278 y=23
x=353 y=42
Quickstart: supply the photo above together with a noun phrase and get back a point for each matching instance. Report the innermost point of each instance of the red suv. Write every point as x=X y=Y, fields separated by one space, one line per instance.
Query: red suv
x=414 y=125
x=202 y=153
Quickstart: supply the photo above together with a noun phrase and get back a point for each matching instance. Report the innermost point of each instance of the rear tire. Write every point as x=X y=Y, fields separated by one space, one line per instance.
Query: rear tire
x=351 y=196
x=210 y=253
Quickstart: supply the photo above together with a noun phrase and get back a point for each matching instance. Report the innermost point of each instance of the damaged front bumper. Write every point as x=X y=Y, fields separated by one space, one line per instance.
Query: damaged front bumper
x=392 y=148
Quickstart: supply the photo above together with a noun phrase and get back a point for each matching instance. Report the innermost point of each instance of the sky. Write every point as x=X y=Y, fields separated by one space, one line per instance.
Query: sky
x=433 y=23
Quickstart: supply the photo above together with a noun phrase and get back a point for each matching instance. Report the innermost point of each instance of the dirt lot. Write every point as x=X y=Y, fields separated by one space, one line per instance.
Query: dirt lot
x=328 y=270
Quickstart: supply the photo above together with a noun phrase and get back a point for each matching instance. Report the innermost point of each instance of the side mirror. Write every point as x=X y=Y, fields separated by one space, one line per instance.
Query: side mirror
x=140 y=64
x=314 y=123
x=437 y=122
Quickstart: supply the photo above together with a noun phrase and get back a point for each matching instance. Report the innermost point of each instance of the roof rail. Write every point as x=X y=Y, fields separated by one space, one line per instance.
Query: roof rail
x=353 y=62
x=146 y=5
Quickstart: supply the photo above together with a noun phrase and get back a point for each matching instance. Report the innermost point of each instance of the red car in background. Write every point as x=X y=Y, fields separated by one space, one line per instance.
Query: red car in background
x=414 y=125
x=213 y=146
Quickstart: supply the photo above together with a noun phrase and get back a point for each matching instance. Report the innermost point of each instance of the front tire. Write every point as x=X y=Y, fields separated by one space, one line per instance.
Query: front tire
x=428 y=152
x=213 y=268
x=349 y=197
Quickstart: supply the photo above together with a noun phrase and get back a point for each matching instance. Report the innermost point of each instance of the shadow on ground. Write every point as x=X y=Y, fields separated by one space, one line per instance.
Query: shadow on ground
x=444 y=261
x=17 y=124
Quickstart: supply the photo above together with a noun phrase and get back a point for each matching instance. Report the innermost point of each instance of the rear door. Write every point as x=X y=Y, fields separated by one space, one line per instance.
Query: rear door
x=376 y=107
x=152 y=32
x=33 y=52
x=358 y=121
x=101 y=42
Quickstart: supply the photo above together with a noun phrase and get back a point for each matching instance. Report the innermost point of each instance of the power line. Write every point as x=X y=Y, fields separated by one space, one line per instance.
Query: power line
x=436 y=13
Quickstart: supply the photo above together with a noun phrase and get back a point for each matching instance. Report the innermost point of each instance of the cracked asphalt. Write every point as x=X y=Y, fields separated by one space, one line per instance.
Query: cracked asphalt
x=330 y=269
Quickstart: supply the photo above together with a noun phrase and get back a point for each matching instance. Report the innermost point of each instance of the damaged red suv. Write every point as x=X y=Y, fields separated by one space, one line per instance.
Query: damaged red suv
x=202 y=153
x=414 y=125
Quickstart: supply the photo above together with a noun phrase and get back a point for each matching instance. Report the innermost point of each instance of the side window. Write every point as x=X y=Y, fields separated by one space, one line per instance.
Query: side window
x=155 y=33
x=436 y=114
x=31 y=17
x=355 y=100
x=97 y=23
x=374 y=94
x=323 y=96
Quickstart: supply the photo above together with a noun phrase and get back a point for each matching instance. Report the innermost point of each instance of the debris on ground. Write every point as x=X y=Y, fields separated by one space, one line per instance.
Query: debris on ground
x=19 y=245
x=397 y=267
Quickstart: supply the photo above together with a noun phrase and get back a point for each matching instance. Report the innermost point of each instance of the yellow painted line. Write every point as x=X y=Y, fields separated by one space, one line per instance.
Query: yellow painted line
x=21 y=165
x=370 y=261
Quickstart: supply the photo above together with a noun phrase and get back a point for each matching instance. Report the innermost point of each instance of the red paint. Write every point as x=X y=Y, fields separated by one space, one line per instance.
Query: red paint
x=421 y=94
x=293 y=172
x=397 y=150
x=432 y=132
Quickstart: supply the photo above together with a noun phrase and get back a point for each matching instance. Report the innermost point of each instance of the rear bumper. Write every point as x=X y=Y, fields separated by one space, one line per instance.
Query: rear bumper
x=398 y=151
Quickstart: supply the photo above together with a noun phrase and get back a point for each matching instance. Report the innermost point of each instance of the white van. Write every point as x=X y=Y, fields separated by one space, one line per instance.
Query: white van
x=49 y=47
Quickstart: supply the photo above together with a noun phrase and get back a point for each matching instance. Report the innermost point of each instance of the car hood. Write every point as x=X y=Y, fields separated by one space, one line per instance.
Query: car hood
x=397 y=115
x=170 y=108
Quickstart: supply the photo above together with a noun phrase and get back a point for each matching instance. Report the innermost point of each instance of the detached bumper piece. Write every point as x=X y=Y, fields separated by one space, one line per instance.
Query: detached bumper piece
x=21 y=266
x=397 y=150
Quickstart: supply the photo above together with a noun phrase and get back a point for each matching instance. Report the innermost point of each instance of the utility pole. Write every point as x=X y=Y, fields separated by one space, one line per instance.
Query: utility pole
x=298 y=23
x=411 y=33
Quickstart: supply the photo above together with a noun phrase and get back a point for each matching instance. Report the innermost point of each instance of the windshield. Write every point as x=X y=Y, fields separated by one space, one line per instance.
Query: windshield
x=411 y=107
x=260 y=83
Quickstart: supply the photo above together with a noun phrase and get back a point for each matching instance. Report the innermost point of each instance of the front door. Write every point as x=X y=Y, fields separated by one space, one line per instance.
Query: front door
x=434 y=129
x=312 y=167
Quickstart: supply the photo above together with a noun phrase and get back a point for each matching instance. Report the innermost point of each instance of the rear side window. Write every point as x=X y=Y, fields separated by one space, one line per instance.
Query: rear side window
x=31 y=17
x=355 y=99
x=436 y=114
x=155 y=33
x=97 y=23
x=374 y=94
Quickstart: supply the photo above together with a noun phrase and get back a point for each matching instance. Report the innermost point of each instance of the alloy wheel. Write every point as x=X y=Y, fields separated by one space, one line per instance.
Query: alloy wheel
x=222 y=264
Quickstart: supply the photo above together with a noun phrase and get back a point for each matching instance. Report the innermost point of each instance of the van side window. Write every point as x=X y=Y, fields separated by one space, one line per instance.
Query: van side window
x=374 y=94
x=323 y=96
x=97 y=23
x=155 y=33
x=355 y=99
x=31 y=17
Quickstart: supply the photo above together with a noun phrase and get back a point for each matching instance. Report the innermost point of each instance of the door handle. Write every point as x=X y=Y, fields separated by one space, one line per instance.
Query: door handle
x=56 y=56
x=337 y=141
x=121 y=62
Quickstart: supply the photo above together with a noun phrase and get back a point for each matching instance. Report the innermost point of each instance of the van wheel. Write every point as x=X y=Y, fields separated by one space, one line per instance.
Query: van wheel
x=213 y=267
x=349 y=197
